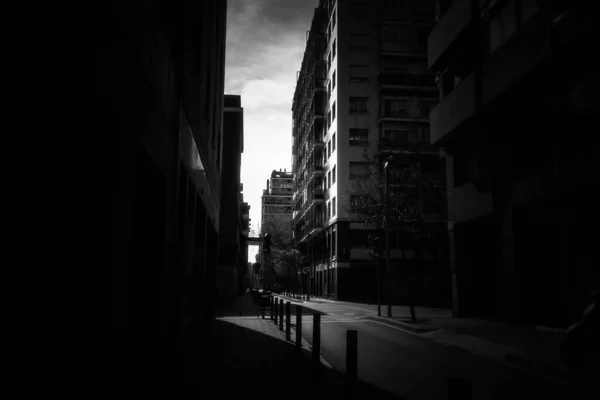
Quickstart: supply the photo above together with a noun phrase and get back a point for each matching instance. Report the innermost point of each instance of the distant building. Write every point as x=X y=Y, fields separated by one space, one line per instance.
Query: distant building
x=276 y=213
x=364 y=87
x=518 y=90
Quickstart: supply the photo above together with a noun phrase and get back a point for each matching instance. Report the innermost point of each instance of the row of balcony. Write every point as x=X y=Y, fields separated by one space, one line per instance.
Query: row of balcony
x=529 y=48
x=404 y=79
x=387 y=144
x=316 y=196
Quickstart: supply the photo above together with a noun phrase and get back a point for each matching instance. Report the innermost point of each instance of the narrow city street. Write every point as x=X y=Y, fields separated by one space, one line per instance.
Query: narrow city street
x=412 y=365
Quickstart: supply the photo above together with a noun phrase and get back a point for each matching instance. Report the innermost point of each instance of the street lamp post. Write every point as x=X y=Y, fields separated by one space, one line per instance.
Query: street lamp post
x=387 y=240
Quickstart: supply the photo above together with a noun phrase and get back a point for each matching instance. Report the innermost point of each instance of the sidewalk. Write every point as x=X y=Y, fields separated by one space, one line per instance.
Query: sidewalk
x=250 y=354
x=531 y=348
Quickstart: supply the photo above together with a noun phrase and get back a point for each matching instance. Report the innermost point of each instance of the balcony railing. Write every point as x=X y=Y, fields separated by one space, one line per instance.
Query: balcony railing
x=453 y=110
x=396 y=47
x=391 y=79
x=387 y=144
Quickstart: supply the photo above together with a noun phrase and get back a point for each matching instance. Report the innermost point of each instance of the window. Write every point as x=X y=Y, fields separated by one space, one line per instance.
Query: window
x=395 y=108
x=394 y=34
x=333 y=206
x=359 y=137
x=333 y=48
x=325 y=182
x=333 y=79
x=333 y=141
x=333 y=174
x=359 y=170
x=329 y=61
x=329 y=149
x=329 y=119
x=329 y=90
x=328 y=210
x=358 y=105
x=333 y=113
x=359 y=73
x=396 y=138
x=328 y=179
x=502 y=26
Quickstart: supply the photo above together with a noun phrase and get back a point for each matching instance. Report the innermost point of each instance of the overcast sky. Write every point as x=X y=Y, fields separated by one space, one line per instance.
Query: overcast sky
x=265 y=45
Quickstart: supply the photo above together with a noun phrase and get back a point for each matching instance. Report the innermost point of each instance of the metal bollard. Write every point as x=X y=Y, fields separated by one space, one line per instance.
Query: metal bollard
x=316 y=348
x=272 y=300
x=276 y=309
x=288 y=321
x=459 y=389
x=298 y=327
x=281 y=315
x=351 y=355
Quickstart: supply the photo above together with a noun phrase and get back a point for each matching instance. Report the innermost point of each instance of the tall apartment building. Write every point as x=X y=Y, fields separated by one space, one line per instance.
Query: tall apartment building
x=364 y=87
x=516 y=80
x=159 y=80
x=276 y=215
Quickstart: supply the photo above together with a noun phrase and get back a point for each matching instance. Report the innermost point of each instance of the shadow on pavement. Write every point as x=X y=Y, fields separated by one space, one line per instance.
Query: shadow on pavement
x=240 y=361
x=247 y=306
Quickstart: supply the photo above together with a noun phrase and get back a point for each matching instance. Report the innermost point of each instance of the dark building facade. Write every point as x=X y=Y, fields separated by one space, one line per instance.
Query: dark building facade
x=516 y=82
x=232 y=255
x=160 y=82
x=364 y=88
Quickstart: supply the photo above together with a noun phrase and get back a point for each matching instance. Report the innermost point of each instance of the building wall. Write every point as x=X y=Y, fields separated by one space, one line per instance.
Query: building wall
x=162 y=173
x=513 y=199
x=230 y=240
x=355 y=36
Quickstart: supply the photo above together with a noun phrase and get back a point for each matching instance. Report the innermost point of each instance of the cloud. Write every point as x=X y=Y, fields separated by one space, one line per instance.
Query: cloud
x=264 y=49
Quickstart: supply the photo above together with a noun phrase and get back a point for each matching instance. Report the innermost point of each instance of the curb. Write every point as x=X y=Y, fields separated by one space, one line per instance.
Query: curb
x=546 y=371
x=289 y=298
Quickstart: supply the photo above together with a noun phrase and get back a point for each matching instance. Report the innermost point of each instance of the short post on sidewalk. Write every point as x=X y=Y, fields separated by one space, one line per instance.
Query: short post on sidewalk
x=276 y=309
x=288 y=321
x=298 y=327
x=272 y=300
x=281 y=315
x=351 y=355
x=316 y=348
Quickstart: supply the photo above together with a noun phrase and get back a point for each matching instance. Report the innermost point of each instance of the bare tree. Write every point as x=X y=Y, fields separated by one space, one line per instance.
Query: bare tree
x=415 y=204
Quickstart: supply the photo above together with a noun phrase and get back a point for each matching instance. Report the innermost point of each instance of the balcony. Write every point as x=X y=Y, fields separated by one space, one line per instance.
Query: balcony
x=361 y=253
x=410 y=114
x=396 y=47
x=515 y=59
x=319 y=194
x=402 y=145
x=390 y=80
x=447 y=30
x=454 y=110
x=318 y=170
